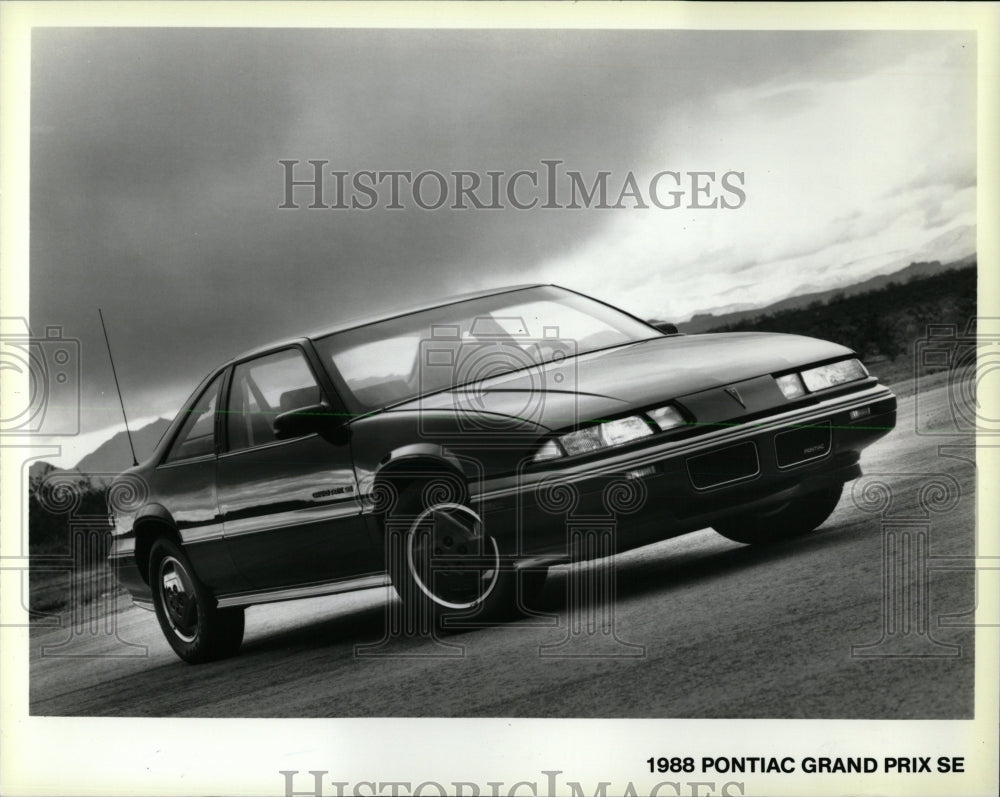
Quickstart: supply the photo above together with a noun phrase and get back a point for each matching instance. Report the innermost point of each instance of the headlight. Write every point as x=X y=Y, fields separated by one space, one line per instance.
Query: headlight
x=548 y=450
x=791 y=386
x=602 y=435
x=834 y=374
x=624 y=430
x=581 y=442
x=666 y=418
x=596 y=437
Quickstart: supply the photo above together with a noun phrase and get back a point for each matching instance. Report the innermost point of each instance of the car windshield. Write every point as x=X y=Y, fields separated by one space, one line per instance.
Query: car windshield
x=401 y=358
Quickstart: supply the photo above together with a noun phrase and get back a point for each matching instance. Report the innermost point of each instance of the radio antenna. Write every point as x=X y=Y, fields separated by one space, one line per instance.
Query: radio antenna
x=114 y=373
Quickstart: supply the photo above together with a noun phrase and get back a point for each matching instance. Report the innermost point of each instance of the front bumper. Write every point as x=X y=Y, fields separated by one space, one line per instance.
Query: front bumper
x=675 y=486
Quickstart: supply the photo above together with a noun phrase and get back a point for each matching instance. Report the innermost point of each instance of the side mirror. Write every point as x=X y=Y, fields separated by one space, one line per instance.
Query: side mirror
x=301 y=421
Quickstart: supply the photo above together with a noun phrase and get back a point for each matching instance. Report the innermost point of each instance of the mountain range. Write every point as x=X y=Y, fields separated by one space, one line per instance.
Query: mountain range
x=702 y=322
x=113 y=455
x=953 y=248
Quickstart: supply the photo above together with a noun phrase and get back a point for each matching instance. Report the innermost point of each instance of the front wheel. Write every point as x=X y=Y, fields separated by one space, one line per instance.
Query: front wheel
x=790 y=519
x=195 y=627
x=443 y=564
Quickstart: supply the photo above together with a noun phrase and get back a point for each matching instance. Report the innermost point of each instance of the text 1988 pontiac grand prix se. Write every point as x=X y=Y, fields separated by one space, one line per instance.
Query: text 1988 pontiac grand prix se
x=452 y=450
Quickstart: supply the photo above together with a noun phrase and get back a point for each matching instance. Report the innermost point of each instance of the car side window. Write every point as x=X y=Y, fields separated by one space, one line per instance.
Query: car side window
x=197 y=436
x=263 y=389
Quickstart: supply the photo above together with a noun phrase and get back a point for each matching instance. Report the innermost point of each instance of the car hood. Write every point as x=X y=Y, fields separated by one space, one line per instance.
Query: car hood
x=612 y=381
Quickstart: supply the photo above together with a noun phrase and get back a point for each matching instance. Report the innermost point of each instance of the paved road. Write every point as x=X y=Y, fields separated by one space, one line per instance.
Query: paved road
x=705 y=628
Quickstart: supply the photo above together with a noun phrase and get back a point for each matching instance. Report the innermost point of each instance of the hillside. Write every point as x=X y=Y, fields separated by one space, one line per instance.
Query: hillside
x=113 y=455
x=885 y=325
x=703 y=322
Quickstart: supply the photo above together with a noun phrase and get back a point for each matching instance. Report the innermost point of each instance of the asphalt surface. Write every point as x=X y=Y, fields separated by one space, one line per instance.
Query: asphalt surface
x=702 y=627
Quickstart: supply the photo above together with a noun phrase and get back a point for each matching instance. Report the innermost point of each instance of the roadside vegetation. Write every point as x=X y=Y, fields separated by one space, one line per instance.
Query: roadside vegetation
x=884 y=325
x=69 y=537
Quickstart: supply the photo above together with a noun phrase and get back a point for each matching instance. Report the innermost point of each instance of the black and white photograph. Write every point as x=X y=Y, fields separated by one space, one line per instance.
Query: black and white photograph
x=499 y=399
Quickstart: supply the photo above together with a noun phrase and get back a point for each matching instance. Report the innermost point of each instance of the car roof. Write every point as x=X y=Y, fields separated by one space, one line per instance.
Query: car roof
x=365 y=321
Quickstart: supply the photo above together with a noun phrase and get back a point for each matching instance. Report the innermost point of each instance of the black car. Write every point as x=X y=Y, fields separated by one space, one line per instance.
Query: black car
x=456 y=450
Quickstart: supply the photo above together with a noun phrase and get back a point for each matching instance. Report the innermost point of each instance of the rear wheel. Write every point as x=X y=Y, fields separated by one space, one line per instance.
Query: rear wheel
x=790 y=519
x=195 y=627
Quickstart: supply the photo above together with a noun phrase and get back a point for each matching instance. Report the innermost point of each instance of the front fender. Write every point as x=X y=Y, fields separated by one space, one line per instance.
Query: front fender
x=415 y=462
x=420 y=451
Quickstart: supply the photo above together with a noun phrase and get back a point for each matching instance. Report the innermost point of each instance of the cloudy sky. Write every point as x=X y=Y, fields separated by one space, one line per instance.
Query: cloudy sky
x=155 y=176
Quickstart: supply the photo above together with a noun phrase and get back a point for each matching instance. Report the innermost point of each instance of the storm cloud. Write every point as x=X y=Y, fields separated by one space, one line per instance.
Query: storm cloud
x=155 y=175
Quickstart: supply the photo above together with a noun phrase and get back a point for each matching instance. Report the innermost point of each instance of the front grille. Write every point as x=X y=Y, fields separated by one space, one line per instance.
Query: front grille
x=802 y=445
x=724 y=466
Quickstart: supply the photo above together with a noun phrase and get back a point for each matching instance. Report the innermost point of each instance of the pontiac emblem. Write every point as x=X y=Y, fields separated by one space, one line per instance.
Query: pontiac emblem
x=732 y=391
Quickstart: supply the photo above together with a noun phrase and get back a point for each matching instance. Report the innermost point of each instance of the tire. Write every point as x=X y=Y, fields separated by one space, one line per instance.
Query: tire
x=790 y=519
x=420 y=529
x=193 y=625
x=531 y=586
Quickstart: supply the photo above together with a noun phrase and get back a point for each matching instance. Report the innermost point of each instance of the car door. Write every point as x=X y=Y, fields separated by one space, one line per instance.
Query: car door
x=290 y=508
x=185 y=486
